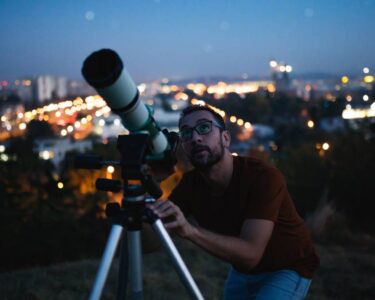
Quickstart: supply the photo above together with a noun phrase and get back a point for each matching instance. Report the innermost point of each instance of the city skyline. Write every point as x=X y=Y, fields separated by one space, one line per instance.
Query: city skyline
x=183 y=40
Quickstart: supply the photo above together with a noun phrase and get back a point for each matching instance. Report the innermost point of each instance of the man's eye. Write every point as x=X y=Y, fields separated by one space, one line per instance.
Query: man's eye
x=204 y=127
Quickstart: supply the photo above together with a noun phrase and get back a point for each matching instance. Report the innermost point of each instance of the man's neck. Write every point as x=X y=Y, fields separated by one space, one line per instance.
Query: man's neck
x=218 y=176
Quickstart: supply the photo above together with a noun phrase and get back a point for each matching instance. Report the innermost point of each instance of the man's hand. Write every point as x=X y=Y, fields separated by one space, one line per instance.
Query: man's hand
x=244 y=252
x=178 y=224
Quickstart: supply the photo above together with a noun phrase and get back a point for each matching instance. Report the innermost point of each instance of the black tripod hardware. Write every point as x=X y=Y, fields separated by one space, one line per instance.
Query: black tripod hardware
x=130 y=215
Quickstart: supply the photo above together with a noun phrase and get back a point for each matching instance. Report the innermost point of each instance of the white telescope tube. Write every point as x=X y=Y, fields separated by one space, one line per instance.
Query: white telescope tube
x=104 y=71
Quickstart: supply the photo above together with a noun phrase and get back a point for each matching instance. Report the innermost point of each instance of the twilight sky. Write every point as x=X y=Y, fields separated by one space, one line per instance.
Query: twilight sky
x=187 y=38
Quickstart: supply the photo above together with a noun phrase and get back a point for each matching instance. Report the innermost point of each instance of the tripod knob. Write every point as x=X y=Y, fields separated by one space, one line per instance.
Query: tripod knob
x=108 y=185
x=112 y=209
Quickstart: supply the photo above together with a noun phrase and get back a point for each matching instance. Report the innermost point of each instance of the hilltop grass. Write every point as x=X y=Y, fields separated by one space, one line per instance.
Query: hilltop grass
x=345 y=273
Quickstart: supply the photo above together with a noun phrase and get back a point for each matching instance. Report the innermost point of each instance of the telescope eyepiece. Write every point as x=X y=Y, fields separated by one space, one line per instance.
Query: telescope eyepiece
x=102 y=68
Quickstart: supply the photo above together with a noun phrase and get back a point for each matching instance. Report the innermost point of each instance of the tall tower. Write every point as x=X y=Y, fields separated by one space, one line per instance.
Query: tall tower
x=46 y=87
x=280 y=73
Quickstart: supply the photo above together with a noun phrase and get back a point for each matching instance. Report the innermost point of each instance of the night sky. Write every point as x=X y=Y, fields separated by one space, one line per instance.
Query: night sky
x=183 y=39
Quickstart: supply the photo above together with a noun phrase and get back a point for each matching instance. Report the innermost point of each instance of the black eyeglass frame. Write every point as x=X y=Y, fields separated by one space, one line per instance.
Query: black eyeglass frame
x=192 y=129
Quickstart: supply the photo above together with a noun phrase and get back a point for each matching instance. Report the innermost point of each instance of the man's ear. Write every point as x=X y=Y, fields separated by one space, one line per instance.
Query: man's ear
x=226 y=138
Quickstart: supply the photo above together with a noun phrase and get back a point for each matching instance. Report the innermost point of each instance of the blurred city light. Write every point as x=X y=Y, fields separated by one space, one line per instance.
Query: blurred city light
x=4 y=157
x=368 y=79
x=345 y=79
x=46 y=155
x=288 y=68
x=22 y=126
x=101 y=122
x=273 y=63
x=63 y=132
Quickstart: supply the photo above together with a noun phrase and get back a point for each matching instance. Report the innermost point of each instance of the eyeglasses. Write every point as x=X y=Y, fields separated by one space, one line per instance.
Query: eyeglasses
x=202 y=128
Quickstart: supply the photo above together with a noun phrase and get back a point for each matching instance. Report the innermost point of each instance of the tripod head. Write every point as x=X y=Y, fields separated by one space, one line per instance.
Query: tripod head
x=134 y=157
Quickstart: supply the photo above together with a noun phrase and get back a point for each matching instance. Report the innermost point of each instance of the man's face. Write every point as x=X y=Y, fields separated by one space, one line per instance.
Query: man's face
x=203 y=150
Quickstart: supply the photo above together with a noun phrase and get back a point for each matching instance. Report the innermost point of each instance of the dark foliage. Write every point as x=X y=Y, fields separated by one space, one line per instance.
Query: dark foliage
x=37 y=129
x=352 y=179
x=306 y=175
x=39 y=223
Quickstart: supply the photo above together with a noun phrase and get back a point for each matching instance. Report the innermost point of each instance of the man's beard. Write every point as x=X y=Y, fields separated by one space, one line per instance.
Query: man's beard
x=204 y=163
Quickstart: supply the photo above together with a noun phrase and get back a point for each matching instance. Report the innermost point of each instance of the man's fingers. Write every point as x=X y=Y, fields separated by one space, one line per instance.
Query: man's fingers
x=161 y=203
x=170 y=211
x=156 y=205
x=165 y=210
x=161 y=207
x=172 y=225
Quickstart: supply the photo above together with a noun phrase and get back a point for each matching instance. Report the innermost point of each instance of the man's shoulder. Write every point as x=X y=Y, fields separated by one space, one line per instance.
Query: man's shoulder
x=257 y=169
x=254 y=164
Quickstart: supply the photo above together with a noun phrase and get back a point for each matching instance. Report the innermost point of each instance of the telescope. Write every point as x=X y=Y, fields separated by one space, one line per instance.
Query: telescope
x=104 y=70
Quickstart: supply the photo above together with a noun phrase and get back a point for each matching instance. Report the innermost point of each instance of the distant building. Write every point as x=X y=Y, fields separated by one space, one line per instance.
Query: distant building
x=280 y=73
x=38 y=89
x=315 y=89
x=47 y=87
x=262 y=139
x=332 y=124
x=55 y=149
x=108 y=127
x=80 y=88
x=11 y=110
x=23 y=89
x=61 y=87
x=20 y=88
x=111 y=126
x=167 y=120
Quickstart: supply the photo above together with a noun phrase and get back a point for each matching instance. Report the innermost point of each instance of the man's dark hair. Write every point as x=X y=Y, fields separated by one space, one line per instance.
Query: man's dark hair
x=193 y=108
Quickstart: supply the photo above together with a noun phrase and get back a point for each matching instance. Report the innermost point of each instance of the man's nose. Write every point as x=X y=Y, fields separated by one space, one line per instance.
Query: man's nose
x=196 y=137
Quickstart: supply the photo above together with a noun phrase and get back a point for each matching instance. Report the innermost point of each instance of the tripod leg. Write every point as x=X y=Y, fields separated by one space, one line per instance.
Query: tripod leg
x=177 y=261
x=135 y=264
x=106 y=261
x=124 y=268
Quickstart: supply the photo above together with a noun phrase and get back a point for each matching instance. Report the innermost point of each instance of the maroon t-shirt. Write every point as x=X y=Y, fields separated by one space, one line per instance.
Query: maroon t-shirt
x=256 y=191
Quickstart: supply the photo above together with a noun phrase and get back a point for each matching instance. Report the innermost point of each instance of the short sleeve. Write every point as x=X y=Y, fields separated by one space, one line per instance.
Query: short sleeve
x=265 y=199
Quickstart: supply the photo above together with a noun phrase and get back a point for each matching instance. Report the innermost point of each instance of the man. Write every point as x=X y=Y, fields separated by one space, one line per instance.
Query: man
x=244 y=213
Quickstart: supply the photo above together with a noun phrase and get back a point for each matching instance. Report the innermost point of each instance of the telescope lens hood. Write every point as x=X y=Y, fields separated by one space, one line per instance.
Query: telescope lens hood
x=102 y=68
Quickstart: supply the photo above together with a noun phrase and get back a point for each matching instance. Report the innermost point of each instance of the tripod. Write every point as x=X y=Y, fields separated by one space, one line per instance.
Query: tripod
x=131 y=215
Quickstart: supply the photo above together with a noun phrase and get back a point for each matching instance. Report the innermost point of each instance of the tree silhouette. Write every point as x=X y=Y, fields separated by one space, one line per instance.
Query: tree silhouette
x=352 y=180
x=37 y=129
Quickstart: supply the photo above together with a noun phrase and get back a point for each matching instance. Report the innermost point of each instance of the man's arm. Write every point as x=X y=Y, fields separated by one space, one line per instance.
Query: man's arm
x=245 y=251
